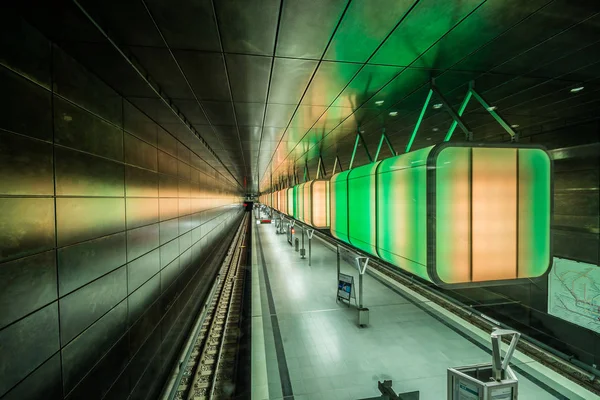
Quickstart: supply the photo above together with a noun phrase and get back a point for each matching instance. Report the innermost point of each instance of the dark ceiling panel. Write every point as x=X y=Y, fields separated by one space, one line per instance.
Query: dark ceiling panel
x=524 y=57
x=539 y=39
x=307 y=26
x=249 y=133
x=250 y=114
x=162 y=68
x=103 y=59
x=364 y=26
x=271 y=134
x=289 y=80
x=248 y=26
x=279 y=115
x=249 y=77
x=484 y=25
x=131 y=25
x=155 y=109
x=191 y=109
x=206 y=74
x=423 y=26
x=186 y=24
x=219 y=113
x=328 y=82
x=366 y=83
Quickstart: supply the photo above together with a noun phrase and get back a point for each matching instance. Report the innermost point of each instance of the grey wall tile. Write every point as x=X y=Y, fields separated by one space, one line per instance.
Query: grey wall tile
x=77 y=84
x=142 y=240
x=141 y=211
x=25 y=166
x=80 y=219
x=44 y=383
x=140 y=153
x=27 y=344
x=142 y=269
x=80 y=355
x=77 y=128
x=26 y=226
x=26 y=107
x=26 y=284
x=83 y=307
x=140 y=182
x=83 y=262
x=80 y=174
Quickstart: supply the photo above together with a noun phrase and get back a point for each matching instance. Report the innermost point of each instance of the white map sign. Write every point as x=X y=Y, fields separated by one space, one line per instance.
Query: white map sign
x=574 y=293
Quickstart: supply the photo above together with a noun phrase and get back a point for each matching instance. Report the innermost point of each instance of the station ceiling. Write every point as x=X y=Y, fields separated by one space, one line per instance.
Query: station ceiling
x=271 y=85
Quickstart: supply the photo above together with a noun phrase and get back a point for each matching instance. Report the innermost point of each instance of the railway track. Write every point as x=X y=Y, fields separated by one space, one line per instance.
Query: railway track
x=211 y=369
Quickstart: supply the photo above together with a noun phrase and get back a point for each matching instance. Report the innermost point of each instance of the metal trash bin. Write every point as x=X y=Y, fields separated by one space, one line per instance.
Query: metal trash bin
x=488 y=381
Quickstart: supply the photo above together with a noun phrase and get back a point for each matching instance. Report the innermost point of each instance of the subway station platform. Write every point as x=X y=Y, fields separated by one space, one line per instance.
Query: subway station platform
x=305 y=345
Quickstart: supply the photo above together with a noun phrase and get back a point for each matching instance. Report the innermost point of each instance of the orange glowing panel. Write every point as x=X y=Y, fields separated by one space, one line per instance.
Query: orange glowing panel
x=453 y=217
x=320 y=204
x=494 y=208
x=306 y=217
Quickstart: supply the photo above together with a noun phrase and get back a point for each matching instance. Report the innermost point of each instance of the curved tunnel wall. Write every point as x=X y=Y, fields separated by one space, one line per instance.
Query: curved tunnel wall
x=108 y=226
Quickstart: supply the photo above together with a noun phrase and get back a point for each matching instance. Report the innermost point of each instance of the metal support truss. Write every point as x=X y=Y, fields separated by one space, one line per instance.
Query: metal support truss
x=321 y=172
x=360 y=138
x=514 y=136
x=306 y=172
x=337 y=164
x=456 y=116
x=385 y=138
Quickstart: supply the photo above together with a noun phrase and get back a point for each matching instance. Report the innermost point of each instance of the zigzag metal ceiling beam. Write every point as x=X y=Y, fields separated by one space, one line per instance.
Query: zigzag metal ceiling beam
x=514 y=136
x=321 y=172
x=384 y=137
x=306 y=172
x=359 y=137
x=337 y=164
x=156 y=89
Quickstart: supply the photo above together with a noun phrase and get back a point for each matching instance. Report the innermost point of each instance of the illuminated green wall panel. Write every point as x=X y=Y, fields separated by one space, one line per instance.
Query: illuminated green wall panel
x=339 y=206
x=361 y=207
x=402 y=211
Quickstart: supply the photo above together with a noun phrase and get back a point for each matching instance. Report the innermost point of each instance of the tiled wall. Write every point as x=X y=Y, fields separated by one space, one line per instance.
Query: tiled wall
x=108 y=226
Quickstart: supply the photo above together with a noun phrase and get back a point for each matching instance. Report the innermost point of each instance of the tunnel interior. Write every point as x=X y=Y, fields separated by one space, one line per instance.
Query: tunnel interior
x=132 y=133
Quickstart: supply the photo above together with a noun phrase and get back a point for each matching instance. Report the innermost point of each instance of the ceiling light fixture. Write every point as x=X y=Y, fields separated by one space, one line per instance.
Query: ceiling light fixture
x=514 y=126
x=577 y=89
x=379 y=102
x=393 y=113
x=435 y=129
x=491 y=108
x=428 y=138
x=437 y=106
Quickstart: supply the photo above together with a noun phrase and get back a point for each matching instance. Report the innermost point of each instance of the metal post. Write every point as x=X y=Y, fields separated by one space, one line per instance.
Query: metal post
x=360 y=291
x=338 y=260
x=302 y=252
x=309 y=233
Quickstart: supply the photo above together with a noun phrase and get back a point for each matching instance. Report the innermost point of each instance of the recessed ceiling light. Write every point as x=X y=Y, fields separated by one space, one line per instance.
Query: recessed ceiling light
x=514 y=126
x=437 y=106
x=428 y=138
x=393 y=113
x=491 y=108
x=379 y=102
x=435 y=129
x=577 y=89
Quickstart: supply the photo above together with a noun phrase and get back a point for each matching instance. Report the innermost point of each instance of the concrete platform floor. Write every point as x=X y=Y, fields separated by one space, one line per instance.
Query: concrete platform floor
x=306 y=345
